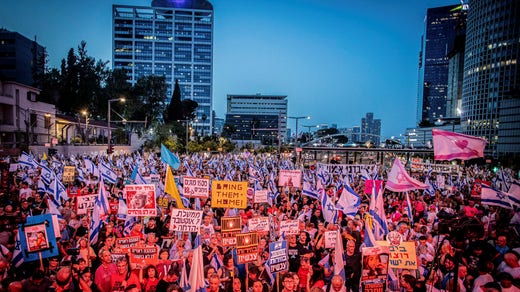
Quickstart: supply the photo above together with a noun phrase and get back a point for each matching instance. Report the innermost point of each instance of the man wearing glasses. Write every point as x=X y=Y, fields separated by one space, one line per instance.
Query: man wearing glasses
x=288 y=282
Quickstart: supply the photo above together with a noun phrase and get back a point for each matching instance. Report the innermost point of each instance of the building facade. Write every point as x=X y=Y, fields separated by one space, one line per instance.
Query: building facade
x=443 y=25
x=24 y=121
x=490 y=93
x=172 y=39
x=370 y=129
x=264 y=113
x=20 y=58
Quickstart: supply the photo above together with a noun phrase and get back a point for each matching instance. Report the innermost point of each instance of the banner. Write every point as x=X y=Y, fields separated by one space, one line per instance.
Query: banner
x=278 y=258
x=228 y=194
x=141 y=200
x=260 y=196
x=69 y=174
x=346 y=168
x=37 y=238
x=144 y=256
x=330 y=239
x=402 y=256
x=84 y=203
x=290 y=178
x=125 y=243
x=230 y=227
x=289 y=227
x=258 y=224
x=185 y=220
x=247 y=247
x=196 y=187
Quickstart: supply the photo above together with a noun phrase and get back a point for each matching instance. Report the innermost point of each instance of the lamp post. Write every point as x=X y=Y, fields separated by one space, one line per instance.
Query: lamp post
x=121 y=99
x=297 y=119
x=187 y=133
x=85 y=113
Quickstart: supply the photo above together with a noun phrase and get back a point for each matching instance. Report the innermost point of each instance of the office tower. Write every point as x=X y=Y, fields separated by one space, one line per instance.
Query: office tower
x=20 y=58
x=370 y=129
x=443 y=24
x=172 y=39
x=257 y=117
x=490 y=93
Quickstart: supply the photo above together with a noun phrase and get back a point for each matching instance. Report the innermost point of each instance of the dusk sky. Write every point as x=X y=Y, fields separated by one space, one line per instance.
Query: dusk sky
x=335 y=59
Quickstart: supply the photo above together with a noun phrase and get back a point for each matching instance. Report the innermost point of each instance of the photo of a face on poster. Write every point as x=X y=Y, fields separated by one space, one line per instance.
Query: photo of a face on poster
x=36 y=237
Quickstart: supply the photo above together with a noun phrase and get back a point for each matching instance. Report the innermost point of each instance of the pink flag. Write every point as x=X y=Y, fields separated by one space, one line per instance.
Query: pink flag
x=448 y=146
x=400 y=181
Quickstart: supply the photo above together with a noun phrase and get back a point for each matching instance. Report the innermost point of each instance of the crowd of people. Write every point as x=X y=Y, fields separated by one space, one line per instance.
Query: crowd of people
x=459 y=241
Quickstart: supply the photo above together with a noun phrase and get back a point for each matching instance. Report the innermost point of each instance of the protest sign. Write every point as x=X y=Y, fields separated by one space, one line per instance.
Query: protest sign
x=195 y=187
x=185 y=220
x=258 y=224
x=230 y=227
x=374 y=264
x=330 y=239
x=69 y=174
x=144 y=256
x=37 y=238
x=84 y=203
x=125 y=243
x=116 y=257
x=354 y=169
x=290 y=178
x=289 y=227
x=228 y=194
x=13 y=167
x=247 y=247
x=402 y=256
x=141 y=200
x=155 y=179
x=260 y=196
x=163 y=201
x=278 y=259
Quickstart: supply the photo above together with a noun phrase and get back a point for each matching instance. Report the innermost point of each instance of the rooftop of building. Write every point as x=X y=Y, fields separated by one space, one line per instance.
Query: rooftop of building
x=184 y=4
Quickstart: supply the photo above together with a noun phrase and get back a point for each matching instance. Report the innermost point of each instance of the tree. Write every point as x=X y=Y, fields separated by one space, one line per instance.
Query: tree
x=150 y=98
x=188 y=109
x=175 y=108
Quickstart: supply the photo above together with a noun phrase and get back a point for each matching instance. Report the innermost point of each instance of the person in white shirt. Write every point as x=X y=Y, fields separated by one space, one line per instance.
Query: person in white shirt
x=336 y=285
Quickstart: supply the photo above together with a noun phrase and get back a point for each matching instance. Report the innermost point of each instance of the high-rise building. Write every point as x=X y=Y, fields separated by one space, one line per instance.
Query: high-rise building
x=257 y=117
x=443 y=25
x=490 y=93
x=20 y=58
x=172 y=39
x=370 y=129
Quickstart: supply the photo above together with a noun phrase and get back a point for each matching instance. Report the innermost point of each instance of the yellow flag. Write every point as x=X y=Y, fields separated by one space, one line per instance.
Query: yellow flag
x=45 y=156
x=171 y=188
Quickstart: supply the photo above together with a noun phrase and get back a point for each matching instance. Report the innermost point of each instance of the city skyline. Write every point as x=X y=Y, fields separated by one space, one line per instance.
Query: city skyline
x=321 y=54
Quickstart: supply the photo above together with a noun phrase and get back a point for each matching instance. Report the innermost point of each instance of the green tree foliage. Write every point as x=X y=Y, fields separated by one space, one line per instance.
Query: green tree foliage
x=188 y=109
x=149 y=99
x=174 y=110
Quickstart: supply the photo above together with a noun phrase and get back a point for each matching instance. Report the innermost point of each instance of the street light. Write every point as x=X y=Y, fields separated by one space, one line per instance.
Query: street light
x=121 y=99
x=85 y=113
x=298 y=118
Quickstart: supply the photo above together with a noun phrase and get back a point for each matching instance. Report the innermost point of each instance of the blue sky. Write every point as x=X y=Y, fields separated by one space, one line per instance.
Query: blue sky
x=334 y=59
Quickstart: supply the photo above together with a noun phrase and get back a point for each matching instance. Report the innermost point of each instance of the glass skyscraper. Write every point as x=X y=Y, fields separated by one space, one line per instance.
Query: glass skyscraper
x=443 y=25
x=490 y=93
x=172 y=39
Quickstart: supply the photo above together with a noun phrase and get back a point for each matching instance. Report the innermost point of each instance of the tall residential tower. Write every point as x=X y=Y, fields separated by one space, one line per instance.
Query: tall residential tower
x=172 y=39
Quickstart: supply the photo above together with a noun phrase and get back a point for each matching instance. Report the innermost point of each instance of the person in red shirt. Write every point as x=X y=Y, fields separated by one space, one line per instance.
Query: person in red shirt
x=123 y=278
x=469 y=210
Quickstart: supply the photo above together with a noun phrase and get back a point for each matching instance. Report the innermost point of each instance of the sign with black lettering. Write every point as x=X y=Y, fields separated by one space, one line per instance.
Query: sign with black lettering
x=144 y=256
x=229 y=194
x=195 y=187
x=247 y=247
x=231 y=226
x=84 y=203
x=69 y=174
x=185 y=220
x=125 y=243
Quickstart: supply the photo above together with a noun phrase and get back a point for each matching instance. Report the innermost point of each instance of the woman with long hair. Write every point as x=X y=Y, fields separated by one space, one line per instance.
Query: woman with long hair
x=150 y=279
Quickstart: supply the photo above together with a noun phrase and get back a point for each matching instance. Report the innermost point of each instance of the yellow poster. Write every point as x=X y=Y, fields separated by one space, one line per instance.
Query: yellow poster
x=228 y=194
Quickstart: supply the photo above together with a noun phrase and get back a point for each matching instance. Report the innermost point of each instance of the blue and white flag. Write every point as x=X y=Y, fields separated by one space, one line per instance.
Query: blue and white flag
x=90 y=167
x=46 y=175
x=27 y=160
x=129 y=224
x=216 y=262
x=409 y=208
x=100 y=212
x=189 y=172
x=349 y=201
x=309 y=190
x=58 y=190
x=196 y=278
x=377 y=211
x=107 y=173
x=54 y=206
x=17 y=259
x=490 y=196
x=330 y=214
